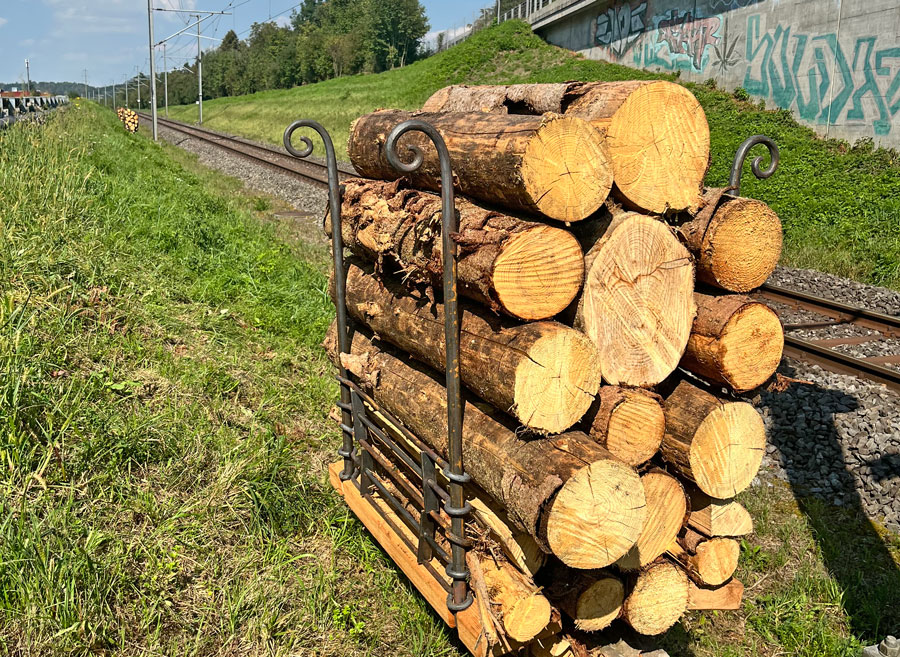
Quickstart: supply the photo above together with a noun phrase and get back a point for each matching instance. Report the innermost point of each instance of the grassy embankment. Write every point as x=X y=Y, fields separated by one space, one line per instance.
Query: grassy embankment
x=840 y=205
x=163 y=436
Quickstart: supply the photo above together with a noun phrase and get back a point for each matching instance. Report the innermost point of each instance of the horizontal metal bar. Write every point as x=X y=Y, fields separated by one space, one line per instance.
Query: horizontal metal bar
x=392 y=446
x=841 y=342
x=812 y=326
x=891 y=359
x=839 y=362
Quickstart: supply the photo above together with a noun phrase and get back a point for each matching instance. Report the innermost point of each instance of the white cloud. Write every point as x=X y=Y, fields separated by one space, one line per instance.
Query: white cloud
x=282 y=21
x=3 y=21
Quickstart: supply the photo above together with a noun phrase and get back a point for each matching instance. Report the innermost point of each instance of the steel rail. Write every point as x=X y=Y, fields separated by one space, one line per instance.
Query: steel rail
x=308 y=170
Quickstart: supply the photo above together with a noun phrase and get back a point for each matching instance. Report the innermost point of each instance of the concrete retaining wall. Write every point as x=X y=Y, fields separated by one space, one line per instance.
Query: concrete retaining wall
x=834 y=63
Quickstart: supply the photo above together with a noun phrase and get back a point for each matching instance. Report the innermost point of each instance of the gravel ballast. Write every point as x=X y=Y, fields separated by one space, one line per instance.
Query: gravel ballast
x=831 y=436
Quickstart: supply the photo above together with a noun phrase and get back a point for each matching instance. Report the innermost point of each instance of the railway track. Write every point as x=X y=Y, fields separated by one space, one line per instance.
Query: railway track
x=818 y=351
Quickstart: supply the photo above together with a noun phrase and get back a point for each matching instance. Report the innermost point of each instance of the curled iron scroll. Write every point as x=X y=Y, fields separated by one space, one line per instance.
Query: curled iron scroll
x=756 y=165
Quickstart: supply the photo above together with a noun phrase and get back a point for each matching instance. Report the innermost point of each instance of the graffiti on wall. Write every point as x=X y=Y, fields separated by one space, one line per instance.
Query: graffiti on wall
x=619 y=28
x=687 y=38
x=815 y=76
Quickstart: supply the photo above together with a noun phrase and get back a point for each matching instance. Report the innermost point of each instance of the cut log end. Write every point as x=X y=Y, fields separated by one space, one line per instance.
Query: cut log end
x=597 y=515
x=566 y=169
x=716 y=560
x=666 y=511
x=727 y=449
x=665 y=119
x=538 y=273
x=599 y=604
x=638 y=304
x=527 y=618
x=741 y=247
x=636 y=427
x=658 y=600
x=556 y=384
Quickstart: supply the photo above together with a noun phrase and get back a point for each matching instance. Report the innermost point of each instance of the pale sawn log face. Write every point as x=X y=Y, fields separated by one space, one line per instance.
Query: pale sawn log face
x=716 y=444
x=543 y=373
x=629 y=422
x=658 y=598
x=551 y=166
x=549 y=487
x=666 y=513
x=735 y=340
x=528 y=270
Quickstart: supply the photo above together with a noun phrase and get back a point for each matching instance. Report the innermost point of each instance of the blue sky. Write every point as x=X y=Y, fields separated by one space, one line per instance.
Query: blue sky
x=62 y=38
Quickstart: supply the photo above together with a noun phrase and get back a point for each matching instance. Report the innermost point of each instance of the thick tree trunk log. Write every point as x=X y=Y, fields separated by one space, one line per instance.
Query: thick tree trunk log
x=717 y=444
x=629 y=422
x=573 y=496
x=657 y=599
x=592 y=601
x=544 y=374
x=528 y=270
x=735 y=241
x=708 y=561
x=553 y=166
x=726 y=597
x=638 y=299
x=735 y=340
x=666 y=514
x=656 y=131
x=713 y=517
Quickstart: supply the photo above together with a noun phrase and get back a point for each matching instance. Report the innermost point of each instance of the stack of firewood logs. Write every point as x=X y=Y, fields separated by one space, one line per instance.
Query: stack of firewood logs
x=605 y=338
x=129 y=118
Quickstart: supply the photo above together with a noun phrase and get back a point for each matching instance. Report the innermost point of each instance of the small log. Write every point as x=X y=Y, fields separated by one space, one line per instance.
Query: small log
x=656 y=131
x=552 y=166
x=524 y=611
x=708 y=561
x=629 y=422
x=658 y=598
x=579 y=502
x=520 y=548
x=637 y=304
x=735 y=340
x=715 y=443
x=726 y=597
x=592 y=601
x=736 y=242
x=666 y=513
x=713 y=517
x=528 y=270
x=544 y=373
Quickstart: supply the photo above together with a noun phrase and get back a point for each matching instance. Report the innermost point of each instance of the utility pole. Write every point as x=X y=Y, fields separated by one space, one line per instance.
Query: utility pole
x=199 y=72
x=139 y=89
x=114 y=94
x=28 y=77
x=166 y=77
x=126 y=92
x=152 y=70
x=85 y=85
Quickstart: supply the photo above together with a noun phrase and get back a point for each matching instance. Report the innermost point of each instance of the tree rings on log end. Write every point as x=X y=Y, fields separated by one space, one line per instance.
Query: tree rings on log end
x=527 y=618
x=599 y=604
x=538 y=273
x=597 y=515
x=666 y=512
x=566 y=169
x=750 y=347
x=659 y=144
x=658 y=600
x=727 y=449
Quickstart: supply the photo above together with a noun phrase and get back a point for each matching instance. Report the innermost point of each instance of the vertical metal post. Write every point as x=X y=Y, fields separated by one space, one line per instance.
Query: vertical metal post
x=166 y=77
x=340 y=280
x=460 y=597
x=152 y=71
x=199 y=72
x=28 y=77
x=126 y=93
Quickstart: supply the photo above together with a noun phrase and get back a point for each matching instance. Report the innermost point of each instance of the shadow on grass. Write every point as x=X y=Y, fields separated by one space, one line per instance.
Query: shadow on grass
x=856 y=551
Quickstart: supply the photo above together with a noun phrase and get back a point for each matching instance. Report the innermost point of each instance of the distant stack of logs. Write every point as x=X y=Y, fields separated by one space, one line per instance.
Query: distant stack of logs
x=605 y=337
x=129 y=119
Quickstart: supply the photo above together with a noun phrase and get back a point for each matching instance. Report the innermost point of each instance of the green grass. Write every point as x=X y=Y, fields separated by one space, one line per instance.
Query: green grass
x=840 y=204
x=164 y=438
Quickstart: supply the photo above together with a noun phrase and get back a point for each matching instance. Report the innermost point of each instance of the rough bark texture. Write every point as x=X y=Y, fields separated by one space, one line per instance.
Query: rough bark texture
x=637 y=304
x=629 y=422
x=569 y=493
x=524 y=611
x=735 y=340
x=543 y=373
x=735 y=241
x=666 y=514
x=657 y=599
x=717 y=444
x=528 y=270
x=726 y=597
x=519 y=548
x=552 y=166
x=656 y=131
x=713 y=517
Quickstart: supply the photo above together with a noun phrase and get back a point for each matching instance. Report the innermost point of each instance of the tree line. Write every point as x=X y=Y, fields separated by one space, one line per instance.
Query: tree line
x=325 y=39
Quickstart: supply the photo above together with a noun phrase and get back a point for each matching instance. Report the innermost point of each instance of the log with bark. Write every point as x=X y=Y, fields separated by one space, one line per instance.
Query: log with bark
x=735 y=340
x=716 y=443
x=708 y=561
x=666 y=513
x=735 y=241
x=629 y=422
x=656 y=131
x=637 y=304
x=552 y=165
x=725 y=597
x=713 y=517
x=592 y=600
x=523 y=610
x=520 y=549
x=580 y=502
x=544 y=374
x=657 y=599
x=527 y=270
